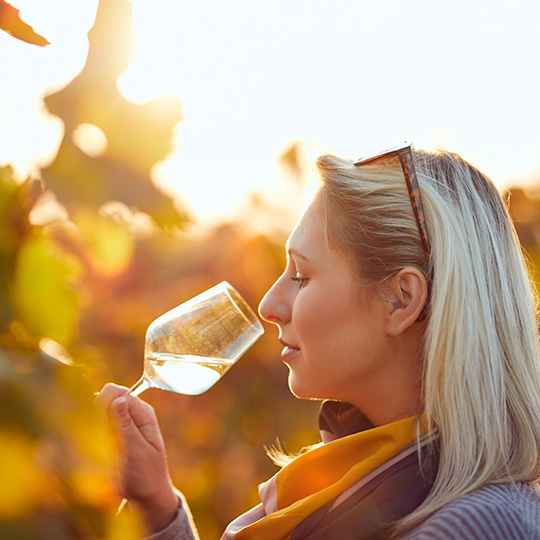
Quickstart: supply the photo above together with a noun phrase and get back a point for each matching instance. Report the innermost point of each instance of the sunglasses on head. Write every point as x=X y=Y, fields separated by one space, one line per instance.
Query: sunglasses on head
x=404 y=153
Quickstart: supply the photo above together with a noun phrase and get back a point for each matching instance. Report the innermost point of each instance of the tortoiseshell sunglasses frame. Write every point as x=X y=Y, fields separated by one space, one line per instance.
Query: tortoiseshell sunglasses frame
x=404 y=153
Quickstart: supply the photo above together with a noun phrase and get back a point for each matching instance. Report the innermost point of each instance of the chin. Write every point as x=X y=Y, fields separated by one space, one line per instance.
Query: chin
x=300 y=391
x=295 y=388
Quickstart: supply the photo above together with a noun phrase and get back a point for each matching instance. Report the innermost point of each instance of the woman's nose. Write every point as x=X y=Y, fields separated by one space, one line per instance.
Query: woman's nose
x=273 y=307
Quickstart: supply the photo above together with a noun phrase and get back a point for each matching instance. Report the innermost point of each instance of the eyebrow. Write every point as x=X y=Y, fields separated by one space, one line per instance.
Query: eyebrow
x=292 y=251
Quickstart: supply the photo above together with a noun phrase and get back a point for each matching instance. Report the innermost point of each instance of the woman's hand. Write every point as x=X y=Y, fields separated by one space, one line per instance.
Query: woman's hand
x=143 y=471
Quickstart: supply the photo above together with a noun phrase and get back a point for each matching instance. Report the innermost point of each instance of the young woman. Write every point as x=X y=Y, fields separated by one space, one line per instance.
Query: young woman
x=406 y=305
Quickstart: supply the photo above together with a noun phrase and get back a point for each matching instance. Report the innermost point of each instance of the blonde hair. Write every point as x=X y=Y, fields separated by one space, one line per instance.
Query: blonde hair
x=480 y=372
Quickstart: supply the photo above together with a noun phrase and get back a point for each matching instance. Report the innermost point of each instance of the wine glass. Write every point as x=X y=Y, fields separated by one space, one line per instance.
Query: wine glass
x=189 y=348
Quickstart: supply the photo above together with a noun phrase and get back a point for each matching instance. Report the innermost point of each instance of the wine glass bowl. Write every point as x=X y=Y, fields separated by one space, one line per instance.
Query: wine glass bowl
x=189 y=348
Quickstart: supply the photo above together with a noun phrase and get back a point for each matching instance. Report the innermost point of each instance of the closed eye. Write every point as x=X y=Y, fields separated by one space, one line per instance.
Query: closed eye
x=300 y=280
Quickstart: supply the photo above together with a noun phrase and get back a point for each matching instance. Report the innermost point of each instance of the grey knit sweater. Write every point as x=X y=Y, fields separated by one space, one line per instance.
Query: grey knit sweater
x=494 y=512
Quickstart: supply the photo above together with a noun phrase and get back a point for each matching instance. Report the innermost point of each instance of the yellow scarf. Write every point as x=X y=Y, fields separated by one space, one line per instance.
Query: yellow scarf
x=320 y=475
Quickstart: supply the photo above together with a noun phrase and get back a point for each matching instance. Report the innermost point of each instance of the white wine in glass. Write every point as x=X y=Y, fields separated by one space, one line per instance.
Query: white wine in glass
x=189 y=348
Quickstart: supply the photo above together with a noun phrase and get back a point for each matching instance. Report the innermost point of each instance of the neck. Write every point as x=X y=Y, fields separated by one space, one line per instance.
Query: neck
x=395 y=393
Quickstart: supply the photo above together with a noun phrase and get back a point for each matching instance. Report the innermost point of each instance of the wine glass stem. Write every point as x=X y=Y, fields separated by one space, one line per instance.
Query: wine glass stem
x=140 y=386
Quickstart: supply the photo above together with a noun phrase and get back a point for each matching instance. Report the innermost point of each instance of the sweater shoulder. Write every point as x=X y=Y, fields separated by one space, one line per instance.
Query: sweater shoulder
x=494 y=512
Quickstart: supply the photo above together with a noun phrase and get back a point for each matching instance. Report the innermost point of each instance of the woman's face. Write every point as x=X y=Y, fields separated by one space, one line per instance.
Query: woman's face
x=331 y=327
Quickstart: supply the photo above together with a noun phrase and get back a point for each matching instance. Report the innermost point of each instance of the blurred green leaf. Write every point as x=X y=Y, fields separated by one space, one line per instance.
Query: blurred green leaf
x=16 y=200
x=110 y=244
x=44 y=293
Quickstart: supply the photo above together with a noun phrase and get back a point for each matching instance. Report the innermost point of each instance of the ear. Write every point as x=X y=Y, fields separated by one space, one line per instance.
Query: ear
x=408 y=295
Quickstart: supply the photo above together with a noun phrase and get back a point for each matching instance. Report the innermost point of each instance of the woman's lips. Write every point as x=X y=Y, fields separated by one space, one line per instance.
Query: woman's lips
x=288 y=351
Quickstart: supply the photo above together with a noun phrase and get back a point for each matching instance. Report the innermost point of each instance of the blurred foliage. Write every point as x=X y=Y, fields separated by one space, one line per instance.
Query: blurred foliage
x=90 y=254
x=524 y=207
x=11 y=23
x=92 y=169
x=292 y=161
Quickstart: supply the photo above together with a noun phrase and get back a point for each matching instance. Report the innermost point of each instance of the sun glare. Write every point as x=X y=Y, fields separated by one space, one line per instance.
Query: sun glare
x=90 y=139
x=29 y=136
x=252 y=80
x=135 y=84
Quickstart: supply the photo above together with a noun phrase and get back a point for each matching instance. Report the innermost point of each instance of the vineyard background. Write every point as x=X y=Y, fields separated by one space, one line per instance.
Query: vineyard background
x=91 y=252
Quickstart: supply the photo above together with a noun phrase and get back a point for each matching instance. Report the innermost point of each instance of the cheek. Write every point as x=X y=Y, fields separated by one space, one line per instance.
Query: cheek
x=308 y=316
x=318 y=317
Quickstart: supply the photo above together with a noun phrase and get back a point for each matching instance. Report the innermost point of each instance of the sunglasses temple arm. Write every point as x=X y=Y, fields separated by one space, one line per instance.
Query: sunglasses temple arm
x=414 y=193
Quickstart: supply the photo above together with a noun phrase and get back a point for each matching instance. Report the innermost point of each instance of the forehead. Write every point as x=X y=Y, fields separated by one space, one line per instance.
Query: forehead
x=315 y=238
x=309 y=231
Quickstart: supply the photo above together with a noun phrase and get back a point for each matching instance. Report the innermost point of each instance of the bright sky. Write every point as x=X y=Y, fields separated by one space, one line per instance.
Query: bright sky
x=349 y=76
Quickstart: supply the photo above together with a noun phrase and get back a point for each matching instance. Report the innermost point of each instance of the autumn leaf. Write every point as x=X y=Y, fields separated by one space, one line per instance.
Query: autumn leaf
x=44 y=292
x=11 y=23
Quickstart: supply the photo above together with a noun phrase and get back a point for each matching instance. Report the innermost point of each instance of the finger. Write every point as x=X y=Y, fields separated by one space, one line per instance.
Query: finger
x=137 y=420
x=145 y=419
x=122 y=420
x=108 y=394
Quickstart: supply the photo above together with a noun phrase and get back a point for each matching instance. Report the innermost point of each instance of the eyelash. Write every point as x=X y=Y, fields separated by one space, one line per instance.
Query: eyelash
x=300 y=280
